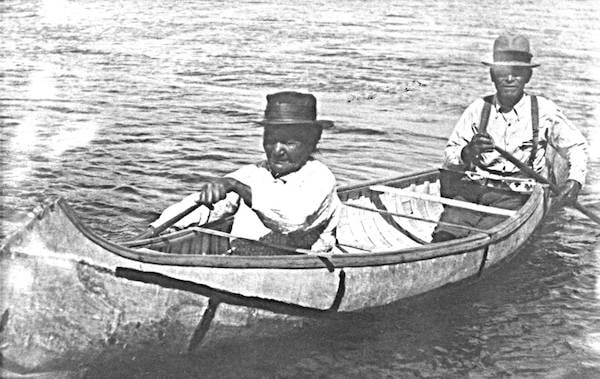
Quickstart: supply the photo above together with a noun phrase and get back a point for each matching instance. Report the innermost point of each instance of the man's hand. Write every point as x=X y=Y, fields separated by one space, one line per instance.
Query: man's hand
x=567 y=193
x=480 y=143
x=217 y=189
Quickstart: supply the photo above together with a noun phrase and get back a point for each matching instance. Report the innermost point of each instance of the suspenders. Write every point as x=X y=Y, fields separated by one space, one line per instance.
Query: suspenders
x=535 y=122
x=485 y=113
x=535 y=129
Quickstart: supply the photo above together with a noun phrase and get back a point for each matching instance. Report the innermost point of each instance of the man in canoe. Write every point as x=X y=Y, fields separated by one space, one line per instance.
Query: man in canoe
x=517 y=122
x=288 y=199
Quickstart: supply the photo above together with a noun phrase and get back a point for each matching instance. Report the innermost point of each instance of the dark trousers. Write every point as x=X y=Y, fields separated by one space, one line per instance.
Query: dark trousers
x=457 y=186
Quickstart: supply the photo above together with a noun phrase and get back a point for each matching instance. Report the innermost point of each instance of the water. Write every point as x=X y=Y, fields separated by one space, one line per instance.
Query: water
x=122 y=108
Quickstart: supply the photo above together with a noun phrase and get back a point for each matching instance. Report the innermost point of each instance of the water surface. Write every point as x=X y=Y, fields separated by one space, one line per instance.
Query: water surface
x=123 y=108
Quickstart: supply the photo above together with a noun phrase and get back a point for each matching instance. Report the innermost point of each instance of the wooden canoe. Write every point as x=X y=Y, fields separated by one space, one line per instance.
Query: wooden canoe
x=69 y=295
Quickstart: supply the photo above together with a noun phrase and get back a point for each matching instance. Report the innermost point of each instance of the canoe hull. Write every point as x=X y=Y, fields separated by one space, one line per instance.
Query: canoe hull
x=70 y=297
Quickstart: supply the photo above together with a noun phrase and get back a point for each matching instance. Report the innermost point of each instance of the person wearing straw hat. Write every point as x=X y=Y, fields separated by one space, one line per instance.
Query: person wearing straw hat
x=523 y=125
x=288 y=199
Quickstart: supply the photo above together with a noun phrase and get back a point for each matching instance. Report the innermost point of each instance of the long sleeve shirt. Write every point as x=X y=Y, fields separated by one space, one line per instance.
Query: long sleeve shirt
x=512 y=131
x=300 y=209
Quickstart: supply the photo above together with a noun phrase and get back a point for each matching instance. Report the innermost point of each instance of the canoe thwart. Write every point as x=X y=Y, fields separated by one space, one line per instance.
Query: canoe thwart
x=396 y=214
x=443 y=200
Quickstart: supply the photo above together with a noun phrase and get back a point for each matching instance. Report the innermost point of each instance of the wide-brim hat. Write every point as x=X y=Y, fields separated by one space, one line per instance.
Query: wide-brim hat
x=511 y=50
x=292 y=108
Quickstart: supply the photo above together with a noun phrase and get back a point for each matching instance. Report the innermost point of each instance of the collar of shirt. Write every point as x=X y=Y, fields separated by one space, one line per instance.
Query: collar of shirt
x=519 y=108
x=287 y=177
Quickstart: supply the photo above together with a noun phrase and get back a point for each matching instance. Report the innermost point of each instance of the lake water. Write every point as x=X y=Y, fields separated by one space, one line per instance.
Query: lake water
x=124 y=107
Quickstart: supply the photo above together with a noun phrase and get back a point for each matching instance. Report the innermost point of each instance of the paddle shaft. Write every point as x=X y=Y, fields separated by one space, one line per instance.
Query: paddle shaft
x=534 y=175
x=170 y=222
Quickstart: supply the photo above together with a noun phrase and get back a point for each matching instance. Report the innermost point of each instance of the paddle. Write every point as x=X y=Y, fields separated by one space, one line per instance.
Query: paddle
x=153 y=232
x=534 y=175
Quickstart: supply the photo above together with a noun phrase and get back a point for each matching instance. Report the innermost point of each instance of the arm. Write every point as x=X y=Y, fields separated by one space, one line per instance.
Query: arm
x=571 y=144
x=173 y=212
x=217 y=194
x=197 y=216
x=328 y=237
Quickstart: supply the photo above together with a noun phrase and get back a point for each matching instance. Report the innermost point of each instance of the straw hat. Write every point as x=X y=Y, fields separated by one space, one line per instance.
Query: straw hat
x=292 y=108
x=511 y=50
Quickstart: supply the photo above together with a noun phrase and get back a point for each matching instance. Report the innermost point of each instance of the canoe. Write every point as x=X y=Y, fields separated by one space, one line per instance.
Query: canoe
x=69 y=295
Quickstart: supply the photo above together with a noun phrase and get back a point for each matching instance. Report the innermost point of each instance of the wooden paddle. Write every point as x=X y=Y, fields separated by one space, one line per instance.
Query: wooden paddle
x=153 y=232
x=534 y=175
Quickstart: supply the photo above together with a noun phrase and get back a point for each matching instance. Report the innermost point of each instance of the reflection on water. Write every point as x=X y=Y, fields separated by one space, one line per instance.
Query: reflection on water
x=123 y=109
x=44 y=130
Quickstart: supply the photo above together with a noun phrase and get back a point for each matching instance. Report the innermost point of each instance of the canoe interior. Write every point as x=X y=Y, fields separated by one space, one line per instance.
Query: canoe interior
x=359 y=230
x=362 y=230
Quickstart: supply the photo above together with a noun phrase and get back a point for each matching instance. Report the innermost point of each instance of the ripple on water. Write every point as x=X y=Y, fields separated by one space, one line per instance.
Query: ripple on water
x=123 y=110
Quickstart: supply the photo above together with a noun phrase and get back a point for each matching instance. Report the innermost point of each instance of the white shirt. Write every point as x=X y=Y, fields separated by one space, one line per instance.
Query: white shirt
x=300 y=209
x=512 y=132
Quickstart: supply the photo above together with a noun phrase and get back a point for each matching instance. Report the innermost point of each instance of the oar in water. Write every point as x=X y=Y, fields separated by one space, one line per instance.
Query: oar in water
x=534 y=175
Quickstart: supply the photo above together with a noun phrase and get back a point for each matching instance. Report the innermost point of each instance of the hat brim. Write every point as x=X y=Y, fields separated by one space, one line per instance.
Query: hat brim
x=510 y=63
x=325 y=124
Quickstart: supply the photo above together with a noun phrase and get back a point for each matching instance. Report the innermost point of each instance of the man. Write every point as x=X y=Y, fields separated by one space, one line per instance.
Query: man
x=519 y=123
x=288 y=199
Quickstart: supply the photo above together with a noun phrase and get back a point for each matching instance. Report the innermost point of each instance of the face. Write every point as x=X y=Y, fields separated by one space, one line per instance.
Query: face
x=510 y=81
x=287 y=148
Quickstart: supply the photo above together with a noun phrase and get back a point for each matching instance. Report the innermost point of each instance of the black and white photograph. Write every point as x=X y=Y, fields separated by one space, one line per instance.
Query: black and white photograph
x=286 y=189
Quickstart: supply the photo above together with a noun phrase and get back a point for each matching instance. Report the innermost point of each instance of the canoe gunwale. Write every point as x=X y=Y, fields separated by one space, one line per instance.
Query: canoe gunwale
x=468 y=244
